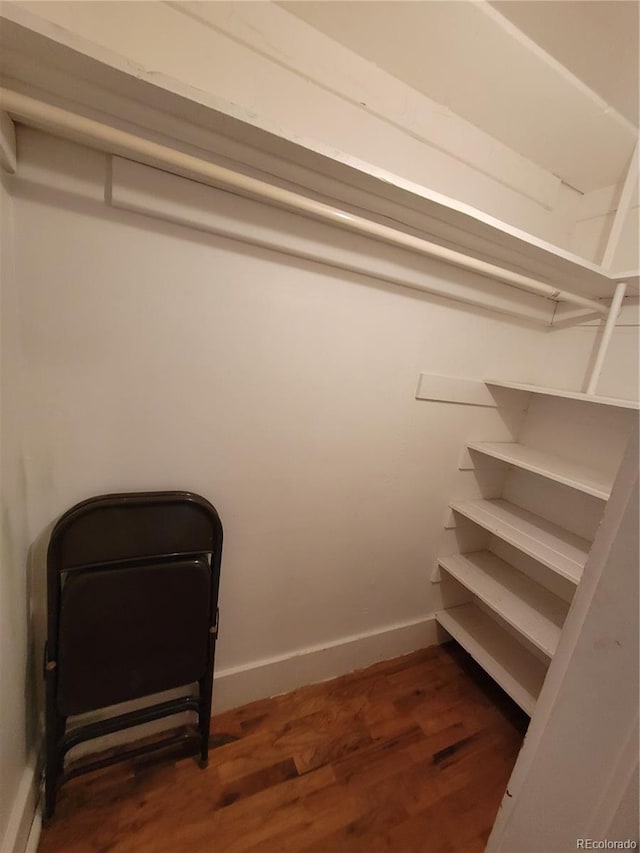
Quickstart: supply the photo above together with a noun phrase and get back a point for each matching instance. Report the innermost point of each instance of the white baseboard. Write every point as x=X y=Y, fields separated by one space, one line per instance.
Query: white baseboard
x=34 y=836
x=272 y=676
x=23 y=829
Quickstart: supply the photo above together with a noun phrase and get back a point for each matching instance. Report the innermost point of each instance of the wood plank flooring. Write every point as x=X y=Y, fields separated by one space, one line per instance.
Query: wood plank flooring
x=408 y=756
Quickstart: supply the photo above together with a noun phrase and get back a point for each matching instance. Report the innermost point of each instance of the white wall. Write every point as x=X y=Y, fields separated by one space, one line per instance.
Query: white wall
x=159 y=357
x=17 y=736
x=594 y=214
x=567 y=355
x=144 y=355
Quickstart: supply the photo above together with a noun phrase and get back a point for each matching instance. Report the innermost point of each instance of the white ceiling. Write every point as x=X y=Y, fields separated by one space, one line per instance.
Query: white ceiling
x=597 y=41
x=556 y=81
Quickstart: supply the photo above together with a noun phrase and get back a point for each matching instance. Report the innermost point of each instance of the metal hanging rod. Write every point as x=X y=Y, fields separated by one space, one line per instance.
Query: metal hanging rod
x=78 y=128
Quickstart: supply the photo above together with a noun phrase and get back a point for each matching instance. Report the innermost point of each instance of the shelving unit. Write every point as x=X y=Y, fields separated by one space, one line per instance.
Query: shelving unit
x=564 y=471
x=510 y=622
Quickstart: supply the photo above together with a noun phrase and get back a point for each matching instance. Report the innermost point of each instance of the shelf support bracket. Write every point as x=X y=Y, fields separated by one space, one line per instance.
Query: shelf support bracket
x=609 y=326
x=8 y=157
x=624 y=206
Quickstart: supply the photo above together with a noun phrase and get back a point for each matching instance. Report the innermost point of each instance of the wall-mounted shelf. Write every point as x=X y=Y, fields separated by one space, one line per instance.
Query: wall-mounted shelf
x=515 y=610
x=516 y=670
x=567 y=395
x=553 y=546
x=564 y=471
x=54 y=66
x=536 y=613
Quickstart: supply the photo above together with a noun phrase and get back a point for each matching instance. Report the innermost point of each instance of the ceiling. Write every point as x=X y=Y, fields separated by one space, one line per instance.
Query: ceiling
x=556 y=81
x=596 y=41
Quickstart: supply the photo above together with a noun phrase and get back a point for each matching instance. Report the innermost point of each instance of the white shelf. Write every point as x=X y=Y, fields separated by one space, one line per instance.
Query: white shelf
x=266 y=147
x=556 y=548
x=571 y=474
x=516 y=670
x=531 y=609
x=568 y=395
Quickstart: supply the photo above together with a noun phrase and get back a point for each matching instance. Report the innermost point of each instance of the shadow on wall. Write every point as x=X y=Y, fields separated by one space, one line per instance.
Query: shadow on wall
x=37 y=622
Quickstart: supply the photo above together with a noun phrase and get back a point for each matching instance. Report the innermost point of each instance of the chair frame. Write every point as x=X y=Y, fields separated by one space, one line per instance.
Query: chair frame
x=58 y=740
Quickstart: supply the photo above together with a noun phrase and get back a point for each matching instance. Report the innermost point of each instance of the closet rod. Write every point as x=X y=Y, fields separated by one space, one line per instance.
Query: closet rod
x=70 y=125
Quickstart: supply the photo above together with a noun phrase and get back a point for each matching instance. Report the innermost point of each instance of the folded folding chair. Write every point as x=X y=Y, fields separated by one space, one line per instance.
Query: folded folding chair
x=132 y=584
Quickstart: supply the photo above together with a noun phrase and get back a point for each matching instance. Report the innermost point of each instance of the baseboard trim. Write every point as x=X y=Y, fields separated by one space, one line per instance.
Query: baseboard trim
x=34 y=835
x=273 y=676
x=23 y=829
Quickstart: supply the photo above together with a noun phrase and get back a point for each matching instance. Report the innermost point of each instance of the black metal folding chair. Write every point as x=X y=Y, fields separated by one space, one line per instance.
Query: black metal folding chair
x=132 y=582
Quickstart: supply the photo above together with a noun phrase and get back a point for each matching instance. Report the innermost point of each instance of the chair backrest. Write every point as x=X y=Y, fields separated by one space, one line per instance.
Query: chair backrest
x=131 y=527
x=133 y=585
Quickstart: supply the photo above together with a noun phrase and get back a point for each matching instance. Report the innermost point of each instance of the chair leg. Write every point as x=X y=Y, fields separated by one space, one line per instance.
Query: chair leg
x=54 y=760
x=204 y=720
x=50 y=791
x=204 y=714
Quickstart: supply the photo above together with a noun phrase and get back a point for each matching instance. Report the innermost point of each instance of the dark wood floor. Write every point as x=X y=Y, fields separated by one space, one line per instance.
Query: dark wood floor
x=408 y=756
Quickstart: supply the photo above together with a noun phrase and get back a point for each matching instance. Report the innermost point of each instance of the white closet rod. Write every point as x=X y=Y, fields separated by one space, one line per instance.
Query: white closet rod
x=64 y=123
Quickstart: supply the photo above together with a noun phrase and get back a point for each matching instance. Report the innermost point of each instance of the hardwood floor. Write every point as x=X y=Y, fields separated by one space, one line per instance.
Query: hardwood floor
x=408 y=756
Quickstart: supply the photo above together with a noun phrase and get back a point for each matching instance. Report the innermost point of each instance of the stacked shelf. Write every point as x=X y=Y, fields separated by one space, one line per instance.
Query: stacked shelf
x=510 y=623
x=563 y=471
x=525 y=605
x=553 y=546
x=616 y=402
x=519 y=673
